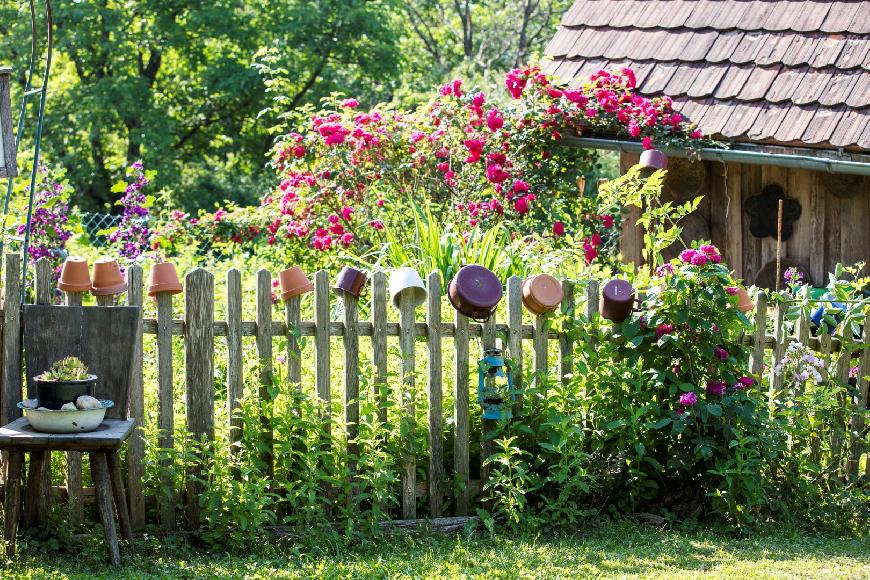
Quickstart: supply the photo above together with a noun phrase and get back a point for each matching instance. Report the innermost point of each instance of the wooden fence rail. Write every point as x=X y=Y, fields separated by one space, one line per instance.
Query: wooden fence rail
x=200 y=331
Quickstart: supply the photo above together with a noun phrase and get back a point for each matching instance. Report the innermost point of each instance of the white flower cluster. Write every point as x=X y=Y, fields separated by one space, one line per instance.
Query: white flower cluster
x=801 y=363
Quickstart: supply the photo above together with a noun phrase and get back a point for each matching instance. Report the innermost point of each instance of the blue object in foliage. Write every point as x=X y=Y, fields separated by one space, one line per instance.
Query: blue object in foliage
x=818 y=315
x=494 y=406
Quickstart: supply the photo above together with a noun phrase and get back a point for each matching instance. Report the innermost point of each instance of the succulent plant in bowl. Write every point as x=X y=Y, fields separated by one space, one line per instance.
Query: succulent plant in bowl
x=64 y=382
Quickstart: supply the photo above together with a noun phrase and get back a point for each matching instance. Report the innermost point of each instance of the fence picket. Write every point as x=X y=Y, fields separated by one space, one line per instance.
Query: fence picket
x=757 y=361
x=566 y=344
x=136 y=408
x=407 y=396
x=857 y=443
x=539 y=344
x=235 y=361
x=514 y=334
x=293 y=317
x=379 y=342
x=434 y=395
x=264 y=355
x=321 y=336
x=780 y=339
x=351 y=376
x=43 y=288
x=487 y=445
x=165 y=406
x=199 y=370
x=460 y=411
x=74 y=458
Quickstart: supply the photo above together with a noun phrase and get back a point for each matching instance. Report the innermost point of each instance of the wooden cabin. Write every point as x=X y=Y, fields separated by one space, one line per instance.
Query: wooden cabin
x=785 y=84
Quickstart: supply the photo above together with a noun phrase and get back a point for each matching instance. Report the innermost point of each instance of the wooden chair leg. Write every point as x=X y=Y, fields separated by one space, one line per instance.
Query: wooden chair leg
x=100 y=475
x=34 y=508
x=120 y=496
x=12 y=501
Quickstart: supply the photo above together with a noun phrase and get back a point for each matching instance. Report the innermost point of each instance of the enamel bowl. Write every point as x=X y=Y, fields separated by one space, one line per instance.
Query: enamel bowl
x=78 y=421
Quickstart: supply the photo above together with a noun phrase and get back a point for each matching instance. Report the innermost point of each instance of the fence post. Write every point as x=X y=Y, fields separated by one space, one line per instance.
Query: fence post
x=165 y=408
x=136 y=408
x=199 y=370
x=487 y=444
x=351 y=379
x=379 y=342
x=460 y=411
x=321 y=336
x=840 y=420
x=42 y=504
x=757 y=363
x=11 y=338
x=293 y=317
x=515 y=331
x=778 y=352
x=264 y=353
x=406 y=403
x=434 y=395
x=74 y=458
x=539 y=343
x=566 y=342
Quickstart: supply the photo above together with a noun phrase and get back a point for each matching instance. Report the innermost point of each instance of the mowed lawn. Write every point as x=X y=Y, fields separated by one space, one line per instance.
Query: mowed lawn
x=612 y=550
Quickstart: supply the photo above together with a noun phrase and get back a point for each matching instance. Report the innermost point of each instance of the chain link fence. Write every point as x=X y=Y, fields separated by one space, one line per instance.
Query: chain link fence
x=95 y=224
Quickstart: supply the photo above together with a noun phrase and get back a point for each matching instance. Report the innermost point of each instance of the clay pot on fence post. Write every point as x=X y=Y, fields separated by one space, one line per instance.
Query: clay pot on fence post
x=75 y=275
x=164 y=278
x=475 y=292
x=406 y=280
x=294 y=282
x=542 y=294
x=653 y=159
x=108 y=279
x=744 y=302
x=350 y=281
x=617 y=300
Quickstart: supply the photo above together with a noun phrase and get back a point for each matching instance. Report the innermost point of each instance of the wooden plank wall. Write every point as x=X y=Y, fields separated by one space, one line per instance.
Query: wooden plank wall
x=831 y=229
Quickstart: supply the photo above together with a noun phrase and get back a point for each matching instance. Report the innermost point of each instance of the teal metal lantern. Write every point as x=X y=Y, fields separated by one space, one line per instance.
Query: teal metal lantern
x=495 y=387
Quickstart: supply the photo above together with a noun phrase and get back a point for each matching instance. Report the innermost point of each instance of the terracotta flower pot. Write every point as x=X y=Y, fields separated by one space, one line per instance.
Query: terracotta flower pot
x=541 y=294
x=108 y=279
x=294 y=282
x=350 y=281
x=617 y=300
x=75 y=277
x=164 y=278
x=475 y=292
x=744 y=302
x=653 y=159
x=407 y=281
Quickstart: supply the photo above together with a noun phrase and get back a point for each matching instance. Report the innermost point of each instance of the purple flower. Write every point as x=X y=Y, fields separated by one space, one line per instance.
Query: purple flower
x=716 y=387
x=688 y=399
x=664 y=328
x=793 y=276
x=720 y=353
x=853 y=372
x=744 y=383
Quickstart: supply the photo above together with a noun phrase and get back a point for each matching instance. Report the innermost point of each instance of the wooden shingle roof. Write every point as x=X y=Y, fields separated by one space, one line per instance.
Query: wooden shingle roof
x=793 y=73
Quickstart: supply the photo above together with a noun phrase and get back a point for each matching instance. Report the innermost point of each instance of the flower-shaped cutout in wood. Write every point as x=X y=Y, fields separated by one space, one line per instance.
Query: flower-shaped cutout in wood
x=764 y=208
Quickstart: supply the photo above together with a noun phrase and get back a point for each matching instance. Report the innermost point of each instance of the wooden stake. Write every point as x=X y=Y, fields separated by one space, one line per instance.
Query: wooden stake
x=779 y=245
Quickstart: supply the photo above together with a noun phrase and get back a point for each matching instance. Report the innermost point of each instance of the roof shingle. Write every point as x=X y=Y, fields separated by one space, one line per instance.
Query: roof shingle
x=787 y=72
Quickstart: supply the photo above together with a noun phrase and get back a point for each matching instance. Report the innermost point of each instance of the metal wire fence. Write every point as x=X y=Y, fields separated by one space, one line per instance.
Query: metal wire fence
x=95 y=224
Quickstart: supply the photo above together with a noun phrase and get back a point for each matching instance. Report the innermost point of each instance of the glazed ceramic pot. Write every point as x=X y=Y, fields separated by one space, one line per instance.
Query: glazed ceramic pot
x=542 y=294
x=294 y=282
x=108 y=279
x=617 y=300
x=350 y=281
x=164 y=278
x=653 y=159
x=74 y=276
x=406 y=281
x=744 y=302
x=475 y=292
x=78 y=421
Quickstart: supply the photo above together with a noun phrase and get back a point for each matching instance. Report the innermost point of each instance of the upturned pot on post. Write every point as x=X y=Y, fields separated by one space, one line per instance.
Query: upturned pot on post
x=75 y=275
x=164 y=278
x=542 y=294
x=350 y=281
x=406 y=281
x=617 y=300
x=294 y=282
x=475 y=292
x=108 y=279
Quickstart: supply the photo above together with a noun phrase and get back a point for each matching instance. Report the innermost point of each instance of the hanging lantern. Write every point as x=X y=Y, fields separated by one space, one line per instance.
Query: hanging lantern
x=495 y=387
x=8 y=166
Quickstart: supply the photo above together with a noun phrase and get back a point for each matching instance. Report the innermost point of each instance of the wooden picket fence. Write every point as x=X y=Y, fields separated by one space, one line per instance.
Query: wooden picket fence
x=200 y=331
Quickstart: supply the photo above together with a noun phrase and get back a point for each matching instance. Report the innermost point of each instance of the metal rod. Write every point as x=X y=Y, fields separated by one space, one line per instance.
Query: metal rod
x=49 y=25
x=778 y=244
x=733 y=155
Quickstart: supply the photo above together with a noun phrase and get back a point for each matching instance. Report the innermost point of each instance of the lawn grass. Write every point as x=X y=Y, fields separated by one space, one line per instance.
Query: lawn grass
x=612 y=550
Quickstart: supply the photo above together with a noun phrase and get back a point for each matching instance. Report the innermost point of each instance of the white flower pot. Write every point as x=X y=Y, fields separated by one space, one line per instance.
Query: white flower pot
x=407 y=280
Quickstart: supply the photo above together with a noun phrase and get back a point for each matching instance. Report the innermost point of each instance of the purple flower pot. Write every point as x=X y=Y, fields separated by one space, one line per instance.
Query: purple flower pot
x=350 y=281
x=654 y=159
x=475 y=292
x=617 y=300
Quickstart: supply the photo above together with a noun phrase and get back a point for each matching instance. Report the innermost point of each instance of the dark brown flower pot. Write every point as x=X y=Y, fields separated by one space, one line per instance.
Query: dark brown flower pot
x=542 y=294
x=54 y=394
x=617 y=300
x=350 y=281
x=475 y=292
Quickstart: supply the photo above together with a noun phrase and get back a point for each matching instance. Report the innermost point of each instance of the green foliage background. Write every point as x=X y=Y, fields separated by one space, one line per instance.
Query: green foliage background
x=172 y=82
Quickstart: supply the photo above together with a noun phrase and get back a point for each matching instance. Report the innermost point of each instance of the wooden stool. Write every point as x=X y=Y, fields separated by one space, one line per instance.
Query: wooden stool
x=102 y=445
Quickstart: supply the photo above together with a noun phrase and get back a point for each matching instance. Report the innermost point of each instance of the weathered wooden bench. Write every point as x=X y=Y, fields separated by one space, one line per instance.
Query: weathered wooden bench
x=104 y=338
